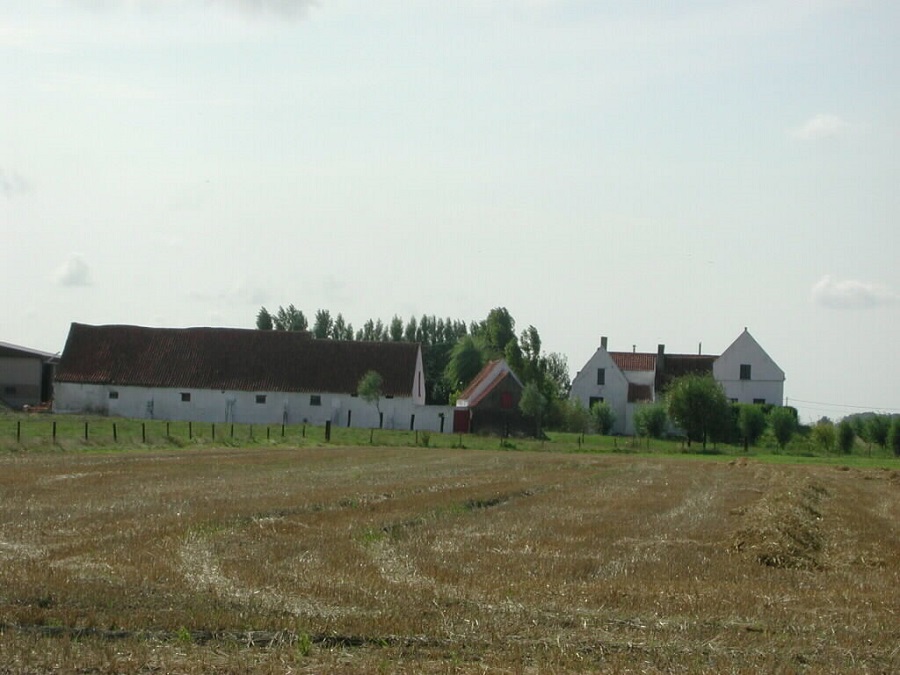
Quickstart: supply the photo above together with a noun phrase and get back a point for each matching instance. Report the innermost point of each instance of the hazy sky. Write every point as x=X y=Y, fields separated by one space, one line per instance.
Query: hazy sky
x=655 y=172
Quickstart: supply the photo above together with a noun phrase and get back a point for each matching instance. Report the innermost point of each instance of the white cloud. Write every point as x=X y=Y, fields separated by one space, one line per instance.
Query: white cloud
x=820 y=126
x=73 y=272
x=851 y=294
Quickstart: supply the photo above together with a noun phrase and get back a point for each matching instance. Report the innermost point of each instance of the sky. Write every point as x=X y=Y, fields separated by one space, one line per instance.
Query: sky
x=653 y=172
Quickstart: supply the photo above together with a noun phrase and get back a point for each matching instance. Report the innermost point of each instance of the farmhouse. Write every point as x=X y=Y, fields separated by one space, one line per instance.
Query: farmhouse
x=626 y=380
x=239 y=375
x=26 y=376
x=490 y=404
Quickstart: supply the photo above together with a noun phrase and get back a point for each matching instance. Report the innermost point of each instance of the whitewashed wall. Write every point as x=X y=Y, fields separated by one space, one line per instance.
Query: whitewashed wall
x=766 y=378
x=241 y=407
x=614 y=391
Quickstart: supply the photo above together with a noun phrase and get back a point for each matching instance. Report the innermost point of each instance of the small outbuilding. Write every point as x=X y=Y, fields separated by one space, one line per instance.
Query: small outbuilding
x=26 y=376
x=490 y=404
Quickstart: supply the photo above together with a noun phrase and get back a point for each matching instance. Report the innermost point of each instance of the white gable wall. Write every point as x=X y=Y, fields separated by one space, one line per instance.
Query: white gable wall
x=766 y=381
x=241 y=407
x=614 y=391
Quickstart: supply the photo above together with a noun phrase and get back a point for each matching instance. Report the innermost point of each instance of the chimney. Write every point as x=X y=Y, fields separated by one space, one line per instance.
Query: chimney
x=700 y=349
x=660 y=357
x=603 y=342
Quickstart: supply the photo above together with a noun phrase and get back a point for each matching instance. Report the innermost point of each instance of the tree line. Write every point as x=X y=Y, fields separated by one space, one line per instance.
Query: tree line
x=453 y=351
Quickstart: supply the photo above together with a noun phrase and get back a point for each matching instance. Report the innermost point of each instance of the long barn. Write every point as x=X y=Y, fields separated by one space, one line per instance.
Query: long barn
x=239 y=375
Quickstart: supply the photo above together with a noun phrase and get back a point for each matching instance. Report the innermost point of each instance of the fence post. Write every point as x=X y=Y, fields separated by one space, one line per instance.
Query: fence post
x=18 y=431
x=54 y=431
x=412 y=422
x=168 y=435
x=282 y=429
x=328 y=430
x=144 y=432
x=115 y=434
x=190 y=430
x=85 y=431
x=214 y=431
x=232 y=430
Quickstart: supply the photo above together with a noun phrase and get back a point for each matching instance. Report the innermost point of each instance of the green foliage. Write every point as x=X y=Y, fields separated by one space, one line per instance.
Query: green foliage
x=264 y=319
x=533 y=404
x=698 y=405
x=783 y=421
x=603 y=417
x=651 y=420
x=845 y=436
x=289 y=318
x=577 y=418
x=369 y=388
x=893 y=437
x=751 y=423
x=466 y=361
x=823 y=435
x=323 y=325
x=877 y=428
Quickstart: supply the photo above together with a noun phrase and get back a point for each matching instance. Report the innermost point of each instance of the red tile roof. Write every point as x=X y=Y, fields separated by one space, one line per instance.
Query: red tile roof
x=493 y=373
x=634 y=360
x=231 y=358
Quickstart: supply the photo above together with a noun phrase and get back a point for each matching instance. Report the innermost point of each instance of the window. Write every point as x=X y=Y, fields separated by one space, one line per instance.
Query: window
x=745 y=371
x=185 y=397
x=506 y=400
x=601 y=376
x=260 y=398
x=759 y=401
x=594 y=399
x=315 y=399
x=114 y=394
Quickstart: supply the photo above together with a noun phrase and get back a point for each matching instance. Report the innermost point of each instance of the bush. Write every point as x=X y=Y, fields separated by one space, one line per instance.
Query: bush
x=651 y=420
x=603 y=417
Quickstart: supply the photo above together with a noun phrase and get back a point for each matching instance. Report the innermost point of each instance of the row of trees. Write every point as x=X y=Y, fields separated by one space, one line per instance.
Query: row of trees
x=453 y=350
x=697 y=405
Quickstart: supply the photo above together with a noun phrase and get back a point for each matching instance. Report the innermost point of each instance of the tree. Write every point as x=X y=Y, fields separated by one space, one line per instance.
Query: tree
x=264 y=319
x=893 y=438
x=289 y=319
x=369 y=390
x=577 y=416
x=466 y=361
x=396 y=329
x=497 y=331
x=603 y=417
x=751 y=423
x=845 y=436
x=698 y=405
x=823 y=434
x=651 y=420
x=877 y=428
x=323 y=325
x=556 y=372
x=783 y=421
x=533 y=404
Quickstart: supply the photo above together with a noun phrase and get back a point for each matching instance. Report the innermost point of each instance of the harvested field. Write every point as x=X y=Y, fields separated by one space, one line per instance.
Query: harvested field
x=417 y=560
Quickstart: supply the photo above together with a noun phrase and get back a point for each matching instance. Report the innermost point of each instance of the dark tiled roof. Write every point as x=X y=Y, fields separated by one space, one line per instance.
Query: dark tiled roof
x=676 y=365
x=634 y=360
x=231 y=358
x=639 y=393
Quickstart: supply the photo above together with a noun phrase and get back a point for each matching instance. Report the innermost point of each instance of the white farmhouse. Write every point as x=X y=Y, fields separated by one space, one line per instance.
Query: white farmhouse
x=239 y=375
x=626 y=380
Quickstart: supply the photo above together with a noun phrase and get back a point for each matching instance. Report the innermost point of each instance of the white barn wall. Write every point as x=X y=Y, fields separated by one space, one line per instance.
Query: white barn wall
x=241 y=407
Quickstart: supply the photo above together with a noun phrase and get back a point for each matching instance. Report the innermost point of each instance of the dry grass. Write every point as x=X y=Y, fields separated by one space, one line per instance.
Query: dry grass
x=416 y=560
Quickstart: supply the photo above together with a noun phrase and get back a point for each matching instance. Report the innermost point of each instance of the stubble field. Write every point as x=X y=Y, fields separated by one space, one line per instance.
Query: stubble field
x=416 y=560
